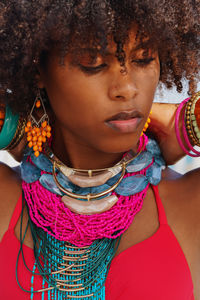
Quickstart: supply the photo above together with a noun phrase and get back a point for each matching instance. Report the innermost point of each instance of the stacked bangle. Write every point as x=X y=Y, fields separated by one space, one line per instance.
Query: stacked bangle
x=190 y=124
x=12 y=130
x=191 y=118
x=18 y=134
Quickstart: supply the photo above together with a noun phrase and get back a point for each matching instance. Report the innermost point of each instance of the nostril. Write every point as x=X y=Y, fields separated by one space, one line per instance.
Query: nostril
x=122 y=91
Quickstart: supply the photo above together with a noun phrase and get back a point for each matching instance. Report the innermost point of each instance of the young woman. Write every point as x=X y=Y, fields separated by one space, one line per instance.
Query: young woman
x=90 y=217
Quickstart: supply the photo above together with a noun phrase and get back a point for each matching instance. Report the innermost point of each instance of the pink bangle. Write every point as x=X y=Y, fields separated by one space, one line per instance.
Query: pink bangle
x=186 y=137
x=177 y=117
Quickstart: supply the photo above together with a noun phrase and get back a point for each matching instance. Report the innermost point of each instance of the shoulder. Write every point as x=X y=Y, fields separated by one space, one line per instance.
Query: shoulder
x=184 y=187
x=10 y=190
x=181 y=198
x=9 y=177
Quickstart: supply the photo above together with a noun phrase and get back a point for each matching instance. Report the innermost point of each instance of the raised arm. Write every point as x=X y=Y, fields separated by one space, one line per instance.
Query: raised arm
x=162 y=126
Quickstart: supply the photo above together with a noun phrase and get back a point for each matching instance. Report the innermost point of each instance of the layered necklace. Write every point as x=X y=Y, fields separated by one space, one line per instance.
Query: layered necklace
x=77 y=217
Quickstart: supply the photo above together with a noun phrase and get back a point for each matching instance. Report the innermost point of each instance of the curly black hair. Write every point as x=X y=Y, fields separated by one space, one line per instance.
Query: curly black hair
x=30 y=28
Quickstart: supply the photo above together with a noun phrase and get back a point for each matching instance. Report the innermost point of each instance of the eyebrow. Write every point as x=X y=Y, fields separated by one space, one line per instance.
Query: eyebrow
x=142 y=45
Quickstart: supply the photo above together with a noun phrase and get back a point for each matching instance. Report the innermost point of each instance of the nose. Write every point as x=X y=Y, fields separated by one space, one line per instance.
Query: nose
x=122 y=87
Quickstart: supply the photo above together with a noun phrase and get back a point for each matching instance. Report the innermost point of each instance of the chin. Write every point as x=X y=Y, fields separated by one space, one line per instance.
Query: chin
x=120 y=144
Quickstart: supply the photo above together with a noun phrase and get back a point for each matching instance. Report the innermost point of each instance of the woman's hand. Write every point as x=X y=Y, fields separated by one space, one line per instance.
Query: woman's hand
x=162 y=126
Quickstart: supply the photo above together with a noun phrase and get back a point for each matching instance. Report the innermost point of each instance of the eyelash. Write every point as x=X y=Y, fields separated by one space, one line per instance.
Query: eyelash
x=92 y=70
x=144 y=61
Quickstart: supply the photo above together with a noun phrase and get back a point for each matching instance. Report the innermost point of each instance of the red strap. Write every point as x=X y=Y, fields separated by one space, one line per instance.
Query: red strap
x=16 y=214
x=161 y=211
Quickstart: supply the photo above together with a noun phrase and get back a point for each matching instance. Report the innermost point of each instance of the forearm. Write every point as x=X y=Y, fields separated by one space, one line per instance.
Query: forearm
x=162 y=126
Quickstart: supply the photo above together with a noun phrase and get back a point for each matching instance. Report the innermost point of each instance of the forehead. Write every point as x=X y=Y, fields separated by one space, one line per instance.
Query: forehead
x=132 y=43
x=117 y=48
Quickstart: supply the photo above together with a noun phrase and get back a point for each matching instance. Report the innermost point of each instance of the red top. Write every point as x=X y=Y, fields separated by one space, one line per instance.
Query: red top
x=155 y=269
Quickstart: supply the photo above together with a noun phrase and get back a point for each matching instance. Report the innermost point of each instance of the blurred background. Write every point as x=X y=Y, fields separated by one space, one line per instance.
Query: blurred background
x=163 y=95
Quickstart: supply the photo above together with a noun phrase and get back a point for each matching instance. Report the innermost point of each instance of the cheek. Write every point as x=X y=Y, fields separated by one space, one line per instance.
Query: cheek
x=150 y=80
x=72 y=101
x=151 y=76
x=147 y=82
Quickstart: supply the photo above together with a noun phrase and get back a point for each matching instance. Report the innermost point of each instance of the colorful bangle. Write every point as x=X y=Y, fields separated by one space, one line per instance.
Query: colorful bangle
x=189 y=125
x=185 y=134
x=9 y=128
x=191 y=119
x=177 y=117
x=18 y=134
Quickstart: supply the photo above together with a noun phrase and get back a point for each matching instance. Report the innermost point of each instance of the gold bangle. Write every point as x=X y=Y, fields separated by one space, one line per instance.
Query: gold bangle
x=188 y=119
x=18 y=134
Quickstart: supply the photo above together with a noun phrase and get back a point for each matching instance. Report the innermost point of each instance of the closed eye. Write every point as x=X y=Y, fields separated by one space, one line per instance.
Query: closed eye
x=92 y=70
x=143 y=61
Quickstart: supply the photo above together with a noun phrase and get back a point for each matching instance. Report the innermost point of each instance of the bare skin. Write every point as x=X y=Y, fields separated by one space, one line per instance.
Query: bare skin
x=80 y=126
x=83 y=140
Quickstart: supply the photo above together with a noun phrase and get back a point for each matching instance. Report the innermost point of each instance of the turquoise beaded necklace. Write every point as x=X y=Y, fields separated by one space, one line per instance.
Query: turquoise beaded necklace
x=52 y=255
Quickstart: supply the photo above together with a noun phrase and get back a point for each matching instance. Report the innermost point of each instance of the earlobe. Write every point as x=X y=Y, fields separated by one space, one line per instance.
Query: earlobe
x=39 y=80
x=39 y=75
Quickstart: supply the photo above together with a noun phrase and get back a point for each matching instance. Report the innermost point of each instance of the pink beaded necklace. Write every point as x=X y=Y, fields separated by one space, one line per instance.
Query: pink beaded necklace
x=48 y=212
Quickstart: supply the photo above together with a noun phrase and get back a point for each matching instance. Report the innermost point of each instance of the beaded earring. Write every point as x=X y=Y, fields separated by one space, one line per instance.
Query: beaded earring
x=37 y=131
x=146 y=124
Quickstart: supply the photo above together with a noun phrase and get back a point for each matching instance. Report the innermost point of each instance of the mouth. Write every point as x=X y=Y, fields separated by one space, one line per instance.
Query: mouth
x=125 y=121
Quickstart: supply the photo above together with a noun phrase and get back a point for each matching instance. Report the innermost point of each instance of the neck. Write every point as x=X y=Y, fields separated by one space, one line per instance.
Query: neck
x=76 y=154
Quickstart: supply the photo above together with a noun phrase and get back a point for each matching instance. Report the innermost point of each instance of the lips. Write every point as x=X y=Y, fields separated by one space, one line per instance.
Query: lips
x=125 y=121
x=126 y=115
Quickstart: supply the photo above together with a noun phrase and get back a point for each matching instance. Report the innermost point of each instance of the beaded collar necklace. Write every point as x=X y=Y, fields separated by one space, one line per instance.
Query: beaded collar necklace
x=73 y=251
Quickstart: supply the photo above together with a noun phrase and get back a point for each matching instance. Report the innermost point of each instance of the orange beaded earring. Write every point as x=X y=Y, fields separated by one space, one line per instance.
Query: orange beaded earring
x=38 y=131
x=146 y=124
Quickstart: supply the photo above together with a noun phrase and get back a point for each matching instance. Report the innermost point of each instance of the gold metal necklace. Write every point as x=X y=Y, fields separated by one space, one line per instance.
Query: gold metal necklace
x=90 y=178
